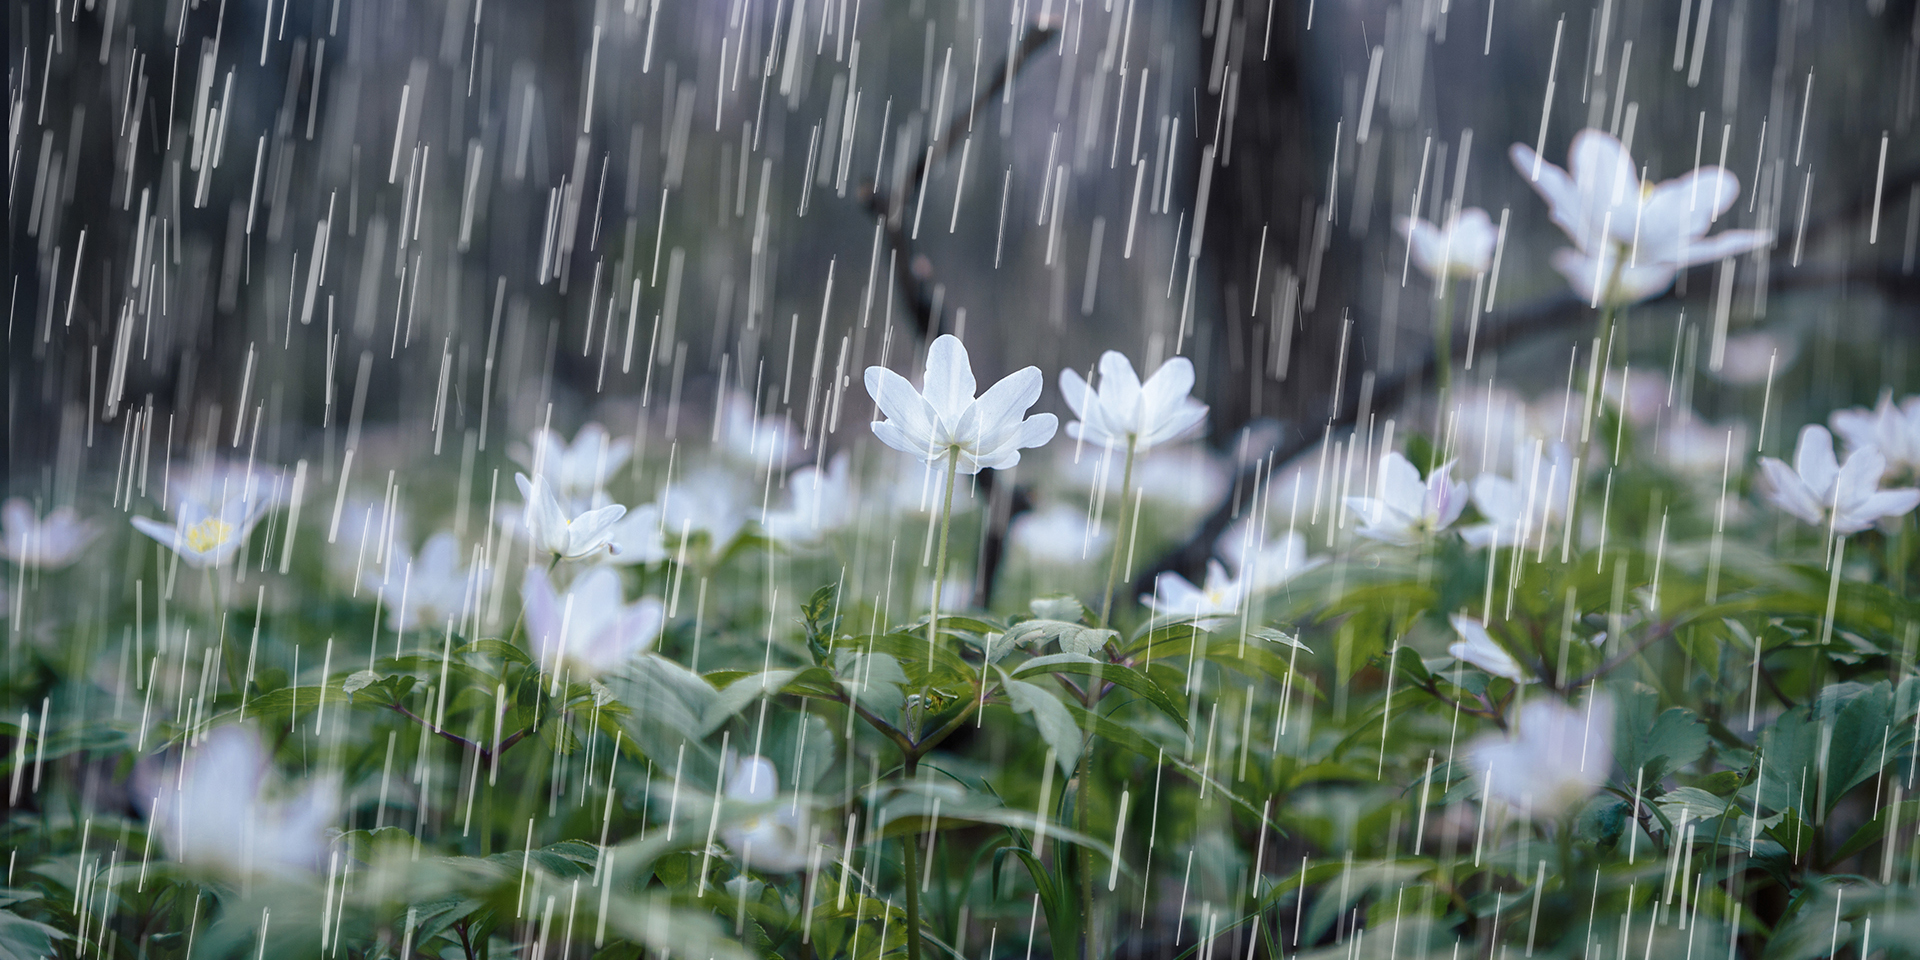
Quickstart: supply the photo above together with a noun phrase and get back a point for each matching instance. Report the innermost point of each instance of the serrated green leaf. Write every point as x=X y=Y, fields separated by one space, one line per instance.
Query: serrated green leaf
x=1052 y=717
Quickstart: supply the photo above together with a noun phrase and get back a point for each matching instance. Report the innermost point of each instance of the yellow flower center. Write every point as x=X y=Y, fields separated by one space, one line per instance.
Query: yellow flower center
x=208 y=534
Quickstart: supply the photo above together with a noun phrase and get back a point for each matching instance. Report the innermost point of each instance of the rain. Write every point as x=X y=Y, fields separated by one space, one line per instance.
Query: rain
x=1082 y=479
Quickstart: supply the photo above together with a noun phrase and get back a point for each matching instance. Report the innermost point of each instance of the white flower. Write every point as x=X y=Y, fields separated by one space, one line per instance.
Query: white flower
x=760 y=440
x=1820 y=491
x=202 y=536
x=1692 y=447
x=220 y=814
x=1893 y=430
x=1517 y=513
x=638 y=538
x=1748 y=359
x=1476 y=646
x=822 y=501
x=1058 y=533
x=1269 y=563
x=427 y=590
x=218 y=482
x=365 y=530
x=1606 y=210
x=1124 y=410
x=946 y=419
x=1557 y=757
x=710 y=501
x=578 y=470
x=1406 y=511
x=1186 y=477
x=553 y=531
x=591 y=629
x=1176 y=596
x=1463 y=247
x=48 y=543
x=774 y=840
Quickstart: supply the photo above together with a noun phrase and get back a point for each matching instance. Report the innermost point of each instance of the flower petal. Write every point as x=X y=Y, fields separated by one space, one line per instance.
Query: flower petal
x=949 y=384
x=1813 y=460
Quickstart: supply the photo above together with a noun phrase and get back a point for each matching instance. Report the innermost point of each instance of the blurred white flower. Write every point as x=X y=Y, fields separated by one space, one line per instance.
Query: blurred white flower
x=1639 y=395
x=226 y=813
x=1124 y=410
x=1183 y=476
x=49 y=543
x=590 y=629
x=946 y=419
x=1265 y=563
x=578 y=470
x=1846 y=498
x=956 y=594
x=638 y=538
x=201 y=536
x=1692 y=447
x=1749 y=358
x=773 y=840
x=1175 y=596
x=1463 y=247
x=216 y=483
x=365 y=529
x=760 y=440
x=569 y=538
x=1608 y=213
x=1556 y=758
x=709 y=500
x=1476 y=646
x=1515 y=512
x=822 y=501
x=1058 y=533
x=1405 y=510
x=427 y=590
x=1893 y=430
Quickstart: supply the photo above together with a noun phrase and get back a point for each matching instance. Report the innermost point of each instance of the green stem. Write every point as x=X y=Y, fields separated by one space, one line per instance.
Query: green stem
x=1119 y=534
x=1443 y=338
x=913 y=874
x=939 y=569
x=1086 y=855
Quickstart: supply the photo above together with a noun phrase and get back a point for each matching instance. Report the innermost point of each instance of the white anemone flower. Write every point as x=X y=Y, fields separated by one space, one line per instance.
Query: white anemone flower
x=1606 y=210
x=774 y=840
x=945 y=418
x=1059 y=534
x=224 y=813
x=202 y=536
x=1405 y=510
x=423 y=591
x=48 y=543
x=1175 y=596
x=1518 y=512
x=577 y=470
x=1818 y=489
x=1893 y=430
x=1462 y=247
x=638 y=538
x=709 y=500
x=591 y=629
x=1556 y=758
x=1265 y=563
x=569 y=538
x=755 y=439
x=1477 y=647
x=1126 y=411
x=822 y=501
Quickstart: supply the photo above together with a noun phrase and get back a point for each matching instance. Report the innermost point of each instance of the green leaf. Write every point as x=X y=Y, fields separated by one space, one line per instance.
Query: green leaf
x=1874 y=830
x=23 y=939
x=1073 y=637
x=359 y=681
x=1116 y=674
x=1655 y=744
x=1054 y=720
x=1275 y=636
x=497 y=648
x=1603 y=821
x=1059 y=607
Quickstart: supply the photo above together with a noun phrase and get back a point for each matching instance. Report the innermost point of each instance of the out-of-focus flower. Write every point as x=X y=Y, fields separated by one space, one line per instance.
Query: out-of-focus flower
x=1847 y=498
x=1461 y=248
x=1124 y=410
x=223 y=813
x=1058 y=533
x=1181 y=476
x=1608 y=213
x=1557 y=757
x=1518 y=513
x=1265 y=563
x=1405 y=510
x=638 y=538
x=365 y=530
x=216 y=483
x=1893 y=430
x=201 y=536
x=956 y=594
x=577 y=470
x=822 y=501
x=760 y=440
x=945 y=419
x=1692 y=447
x=590 y=629
x=427 y=590
x=1175 y=596
x=709 y=500
x=1749 y=358
x=47 y=543
x=1476 y=646
x=1640 y=396
x=569 y=538
x=774 y=840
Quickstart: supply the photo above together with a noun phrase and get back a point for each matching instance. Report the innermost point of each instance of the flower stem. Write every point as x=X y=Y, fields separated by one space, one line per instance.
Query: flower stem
x=912 y=846
x=940 y=562
x=1119 y=534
